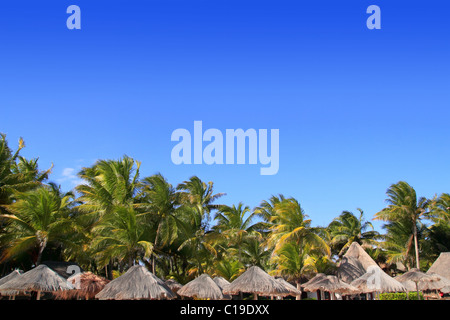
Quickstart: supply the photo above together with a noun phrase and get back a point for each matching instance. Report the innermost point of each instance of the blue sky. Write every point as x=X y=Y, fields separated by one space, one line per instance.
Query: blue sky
x=357 y=109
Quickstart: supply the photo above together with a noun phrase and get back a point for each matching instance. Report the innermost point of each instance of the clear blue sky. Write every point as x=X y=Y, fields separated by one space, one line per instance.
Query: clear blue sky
x=357 y=109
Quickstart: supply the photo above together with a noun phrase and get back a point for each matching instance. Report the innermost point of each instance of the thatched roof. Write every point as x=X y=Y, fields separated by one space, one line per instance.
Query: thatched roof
x=221 y=282
x=354 y=263
x=442 y=265
x=86 y=285
x=293 y=291
x=316 y=278
x=255 y=280
x=416 y=275
x=173 y=285
x=64 y=268
x=9 y=276
x=136 y=284
x=376 y=280
x=439 y=282
x=202 y=287
x=41 y=278
x=331 y=284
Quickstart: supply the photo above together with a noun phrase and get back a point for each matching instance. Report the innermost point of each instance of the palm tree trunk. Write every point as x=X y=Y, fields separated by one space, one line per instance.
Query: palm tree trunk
x=299 y=297
x=39 y=257
x=416 y=245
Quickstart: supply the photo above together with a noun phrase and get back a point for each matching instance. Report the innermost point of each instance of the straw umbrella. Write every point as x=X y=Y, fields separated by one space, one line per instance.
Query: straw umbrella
x=442 y=265
x=136 y=284
x=7 y=278
x=331 y=284
x=86 y=285
x=173 y=285
x=416 y=276
x=202 y=287
x=377 y=281
x=222 y=282
x=316 y=278
x=258 y=282
x=39 y=279
x=293 y=291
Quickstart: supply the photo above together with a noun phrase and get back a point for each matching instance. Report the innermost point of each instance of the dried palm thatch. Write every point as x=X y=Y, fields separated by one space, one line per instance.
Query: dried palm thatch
x=376 y=280
x=417 y=276
x=331 y=284
x=258 y=282
x=136 y=284
x=293 y=291
x=39 y=279
x=202 y=287
x=438 y=283
x=86 y=285
x=222 y=282
x=173 y=285
x=9 y=277
x=316 y=278
x=442 y=265
x=354 y=263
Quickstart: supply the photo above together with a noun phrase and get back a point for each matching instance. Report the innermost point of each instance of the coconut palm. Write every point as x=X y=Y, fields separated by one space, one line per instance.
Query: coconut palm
x=16 y=172
x=348 y=228
x=228 y=269
x=290 y=225
x=38 y=217
x=294 y=262
x=404 y=205
x=440 y=208
x=122 y=235
x=197 y=193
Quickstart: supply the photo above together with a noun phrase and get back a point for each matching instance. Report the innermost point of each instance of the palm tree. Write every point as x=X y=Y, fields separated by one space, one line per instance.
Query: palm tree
x=38 y=217
x=291 y=226
x=200 y=194
x=228 y=269
x=404 y=206
x=440 y=208
x=161 y=200
x=108 y=184
x=347 y=228
x=234 y=224
x=294 y=262
x=122 y=235
x=16 y=172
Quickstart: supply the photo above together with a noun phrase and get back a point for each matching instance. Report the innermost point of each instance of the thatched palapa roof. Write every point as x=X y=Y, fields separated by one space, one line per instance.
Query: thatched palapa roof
x=354 y=263
x=86 y=285
x=293 y=291
x=136 y=284
x=442 y=265
x=202 y=287
x=41 y=278
x=173 y=285
x=9 y=277
x=376 y=280
x=255 y=280
x=331 y=284
x=64 y=268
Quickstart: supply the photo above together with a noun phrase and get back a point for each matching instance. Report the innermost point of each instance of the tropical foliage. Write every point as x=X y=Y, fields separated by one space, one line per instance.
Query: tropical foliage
x=115 y=218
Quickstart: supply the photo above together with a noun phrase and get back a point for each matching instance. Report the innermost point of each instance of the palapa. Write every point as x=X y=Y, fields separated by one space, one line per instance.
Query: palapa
x=86 y=286
x=331 y=284
x=293 y=291
x=9 y=277
x=136 y=284
x=202 y=287
x=39 y=279
x=442 y=265
x=173 y=285
x=416 y=276
x=354 y=263
x=376 y=280
x=222 y=282
x=257 y=281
